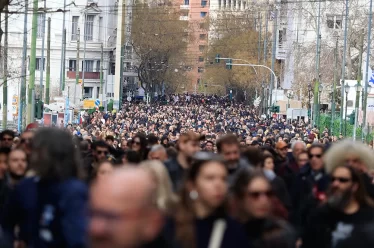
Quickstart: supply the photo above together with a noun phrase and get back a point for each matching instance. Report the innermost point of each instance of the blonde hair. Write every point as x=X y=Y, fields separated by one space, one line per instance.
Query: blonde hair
x=338 y=153
x=165 y=197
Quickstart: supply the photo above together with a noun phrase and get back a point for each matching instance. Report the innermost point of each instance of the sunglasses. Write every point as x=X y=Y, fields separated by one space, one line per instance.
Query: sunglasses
x=340 y=179
x=315 y=155
x=102 y=152
x=257 y=194
x=7 y=139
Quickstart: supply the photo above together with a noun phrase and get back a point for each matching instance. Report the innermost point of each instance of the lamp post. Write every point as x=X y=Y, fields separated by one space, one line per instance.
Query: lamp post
x=331 y=91
x=365 y=95
x=309 y=104
x=263 y=97
x=320 y=89
x=346 y=89
x=358 y=87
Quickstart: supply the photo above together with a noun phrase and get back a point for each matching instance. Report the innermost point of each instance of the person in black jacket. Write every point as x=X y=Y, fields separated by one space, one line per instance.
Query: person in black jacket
x=49 y=209
x=346 y=214
x=200 y=216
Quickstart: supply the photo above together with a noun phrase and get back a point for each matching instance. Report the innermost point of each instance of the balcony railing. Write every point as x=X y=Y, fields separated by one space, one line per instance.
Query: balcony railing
x=87 y=75
x=183 y=18
x=130 y=69
x=185 y=7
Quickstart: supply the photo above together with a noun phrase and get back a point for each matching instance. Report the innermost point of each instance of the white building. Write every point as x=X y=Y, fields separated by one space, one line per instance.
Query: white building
x=96 y=20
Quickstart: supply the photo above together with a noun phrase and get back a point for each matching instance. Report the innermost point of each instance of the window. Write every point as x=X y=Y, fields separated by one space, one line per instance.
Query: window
x=98 y=92
x=201 y=59
x=201 y=48
x=112 y=69
x=72 y=65
x=100 y=27
x=88 y=65
x=41 y=22
x=203 y=3
x=88 y=27
x=88 y=92
x=38 y=65
x=334 y=22
x=200 y=69
x=202 y=36
x=186 y=2
x=98 y=66
x=203 y=14
x=74 y=28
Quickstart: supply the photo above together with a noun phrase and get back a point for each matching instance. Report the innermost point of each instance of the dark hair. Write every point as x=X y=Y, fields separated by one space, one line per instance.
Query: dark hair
x=7 y=132
x=132 y=157
x=152 y=139
x=110 y=137
x=361 y=194
x=5 y=150
x=253 y=155
x=184 y=214
x=54 y=156
x=316 y=145
x=99 y=143
x=228 y=139
x=243 y=179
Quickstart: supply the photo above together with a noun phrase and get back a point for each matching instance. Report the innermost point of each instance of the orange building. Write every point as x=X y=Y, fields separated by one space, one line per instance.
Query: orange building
x=196 y=13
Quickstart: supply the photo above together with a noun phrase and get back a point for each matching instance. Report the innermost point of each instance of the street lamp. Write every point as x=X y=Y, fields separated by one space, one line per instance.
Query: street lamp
x=263 y=97
x=346 y=89
x=331 y=91
x=318 y=114
x=309 y=98
x=358 y=87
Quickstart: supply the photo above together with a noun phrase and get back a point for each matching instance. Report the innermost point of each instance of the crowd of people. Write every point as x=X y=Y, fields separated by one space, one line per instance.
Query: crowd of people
x=194 y=173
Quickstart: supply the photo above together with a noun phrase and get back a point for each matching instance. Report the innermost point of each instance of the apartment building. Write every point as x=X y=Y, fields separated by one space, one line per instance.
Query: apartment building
x=96 y=22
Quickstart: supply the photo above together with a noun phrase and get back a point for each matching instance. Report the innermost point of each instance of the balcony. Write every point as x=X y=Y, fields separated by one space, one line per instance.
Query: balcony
x=184 y=18
x=185 y=7
x=87 y=75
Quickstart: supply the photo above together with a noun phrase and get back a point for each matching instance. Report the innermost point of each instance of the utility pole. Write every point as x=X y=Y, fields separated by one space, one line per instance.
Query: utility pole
x=273 y=84
x=42 y=58
x=77 y=65
x=63 y=61
x=48 y=62
x=265 y=52
x=317 y=81
x=343 y=69
x=259 y=38
x=101 y=74
x=334 y=86
x=63 y=47
x=84 y=65
x=31 y=92
x=365 y=94
x=5 y=72
x=359 y=78
x=22 y=93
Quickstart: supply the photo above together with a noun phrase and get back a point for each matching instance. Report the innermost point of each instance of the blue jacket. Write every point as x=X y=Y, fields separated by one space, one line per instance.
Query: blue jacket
x=49 y=214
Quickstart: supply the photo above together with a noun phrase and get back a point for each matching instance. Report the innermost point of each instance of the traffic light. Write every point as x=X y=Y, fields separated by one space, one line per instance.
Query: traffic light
x=352 y=118
x=218 y=58
x=229 y=64
x=39 y=106
x=274 y=109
